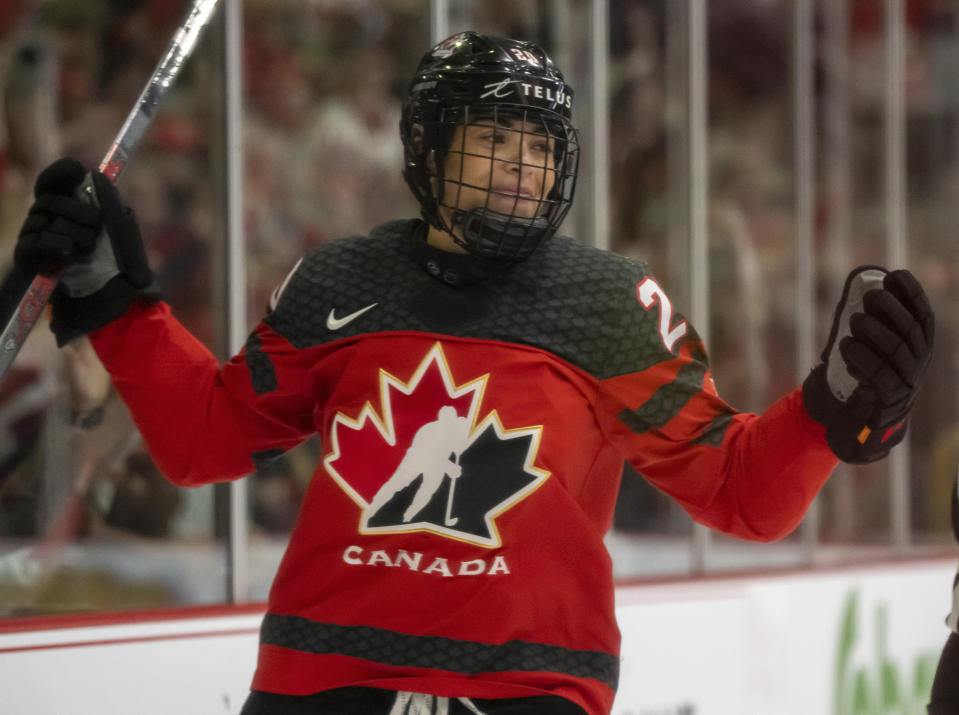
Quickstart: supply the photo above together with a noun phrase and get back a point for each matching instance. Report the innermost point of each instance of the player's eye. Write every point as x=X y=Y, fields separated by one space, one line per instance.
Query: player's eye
x=541 y=146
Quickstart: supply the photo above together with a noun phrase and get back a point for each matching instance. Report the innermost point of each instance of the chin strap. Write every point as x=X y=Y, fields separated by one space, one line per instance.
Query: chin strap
x=494 y=235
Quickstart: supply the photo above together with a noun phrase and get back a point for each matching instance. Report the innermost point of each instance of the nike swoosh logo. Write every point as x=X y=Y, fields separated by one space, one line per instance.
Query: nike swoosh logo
x=334 y=323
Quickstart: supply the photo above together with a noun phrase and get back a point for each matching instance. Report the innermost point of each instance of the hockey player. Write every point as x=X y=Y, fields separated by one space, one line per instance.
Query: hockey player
x=427 y=459
x=562 y=360
x=945 y=688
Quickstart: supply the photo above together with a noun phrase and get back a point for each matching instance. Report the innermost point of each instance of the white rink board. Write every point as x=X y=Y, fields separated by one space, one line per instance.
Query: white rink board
x=774 y=646
x=745 y=646
x=663 y=673
x=195 y=666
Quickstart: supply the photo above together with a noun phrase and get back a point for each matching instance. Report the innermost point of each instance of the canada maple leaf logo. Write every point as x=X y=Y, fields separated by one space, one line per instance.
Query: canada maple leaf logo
x=426 y=460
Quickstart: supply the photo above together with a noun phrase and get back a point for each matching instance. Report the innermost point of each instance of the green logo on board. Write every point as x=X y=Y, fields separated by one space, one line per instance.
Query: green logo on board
x=889 y=684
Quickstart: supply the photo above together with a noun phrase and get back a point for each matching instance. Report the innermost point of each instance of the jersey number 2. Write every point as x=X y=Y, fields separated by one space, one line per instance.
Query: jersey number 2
x=649 y=294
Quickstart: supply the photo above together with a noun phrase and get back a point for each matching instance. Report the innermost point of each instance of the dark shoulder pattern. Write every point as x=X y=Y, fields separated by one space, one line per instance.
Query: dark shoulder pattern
x=342 y=276
x=572 y=300
x=588 y=297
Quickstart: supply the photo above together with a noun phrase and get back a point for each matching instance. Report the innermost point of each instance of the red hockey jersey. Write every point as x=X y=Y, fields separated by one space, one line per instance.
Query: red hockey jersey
x=474 y=433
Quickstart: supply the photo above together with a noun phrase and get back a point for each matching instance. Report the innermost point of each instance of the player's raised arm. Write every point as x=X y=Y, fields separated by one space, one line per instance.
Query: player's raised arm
x=754 y=476
x=202 y=423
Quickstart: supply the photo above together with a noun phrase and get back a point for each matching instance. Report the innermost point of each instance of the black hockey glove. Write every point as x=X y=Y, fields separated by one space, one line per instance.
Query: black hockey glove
x=874 y=363
x=79 y=225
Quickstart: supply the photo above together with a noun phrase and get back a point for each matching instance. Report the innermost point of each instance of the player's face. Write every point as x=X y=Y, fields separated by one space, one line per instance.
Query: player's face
x=506 y=164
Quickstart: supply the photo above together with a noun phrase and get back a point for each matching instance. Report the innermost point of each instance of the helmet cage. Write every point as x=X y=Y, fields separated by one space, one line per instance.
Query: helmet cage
x=489 y=215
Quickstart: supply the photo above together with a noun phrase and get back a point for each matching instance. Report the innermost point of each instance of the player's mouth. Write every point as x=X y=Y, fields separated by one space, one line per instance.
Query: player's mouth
x=512 y=200
x=513 y=192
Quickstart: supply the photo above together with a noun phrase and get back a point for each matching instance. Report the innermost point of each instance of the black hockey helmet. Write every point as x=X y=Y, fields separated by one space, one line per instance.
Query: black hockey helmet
x=510 y=85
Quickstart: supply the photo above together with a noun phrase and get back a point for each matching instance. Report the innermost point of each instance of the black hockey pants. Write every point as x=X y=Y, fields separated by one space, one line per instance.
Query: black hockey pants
x=373 y=701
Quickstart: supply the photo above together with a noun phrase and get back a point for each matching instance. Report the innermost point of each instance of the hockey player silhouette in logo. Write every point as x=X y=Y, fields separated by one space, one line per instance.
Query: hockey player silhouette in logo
x=434 y=454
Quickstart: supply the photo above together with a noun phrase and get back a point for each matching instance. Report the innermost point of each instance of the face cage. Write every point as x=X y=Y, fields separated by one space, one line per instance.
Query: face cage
x=538 y=146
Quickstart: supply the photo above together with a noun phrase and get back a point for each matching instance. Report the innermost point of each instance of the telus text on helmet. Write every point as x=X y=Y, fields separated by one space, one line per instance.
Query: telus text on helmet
x=503 y=89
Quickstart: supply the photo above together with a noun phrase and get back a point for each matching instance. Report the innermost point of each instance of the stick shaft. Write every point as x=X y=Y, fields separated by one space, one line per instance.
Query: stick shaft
x=449 y=521
x=449 y=501
x=179 y=50
x=37 y=295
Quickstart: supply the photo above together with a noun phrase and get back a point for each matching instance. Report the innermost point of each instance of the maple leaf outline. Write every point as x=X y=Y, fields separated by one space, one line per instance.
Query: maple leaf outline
x=384 y=425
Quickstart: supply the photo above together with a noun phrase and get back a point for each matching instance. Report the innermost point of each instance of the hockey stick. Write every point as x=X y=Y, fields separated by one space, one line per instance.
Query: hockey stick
x=38 y=294
x=451 y=520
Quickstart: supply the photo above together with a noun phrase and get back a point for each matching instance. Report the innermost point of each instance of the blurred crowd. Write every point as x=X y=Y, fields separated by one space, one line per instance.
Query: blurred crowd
x=324 y=80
